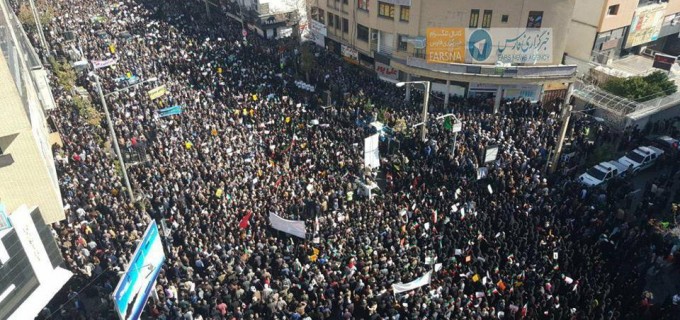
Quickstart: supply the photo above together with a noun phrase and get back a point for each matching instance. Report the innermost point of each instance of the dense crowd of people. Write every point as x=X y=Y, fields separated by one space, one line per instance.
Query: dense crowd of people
x=515 y=244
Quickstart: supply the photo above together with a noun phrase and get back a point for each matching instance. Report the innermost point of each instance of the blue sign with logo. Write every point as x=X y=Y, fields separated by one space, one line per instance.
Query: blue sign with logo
x=480 y=45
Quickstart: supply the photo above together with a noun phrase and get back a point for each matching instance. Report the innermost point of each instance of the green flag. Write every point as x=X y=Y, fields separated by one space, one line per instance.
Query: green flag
x=447 y=124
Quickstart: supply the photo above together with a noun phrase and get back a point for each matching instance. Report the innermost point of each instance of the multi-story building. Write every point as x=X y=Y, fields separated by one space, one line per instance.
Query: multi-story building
x=270 y=19
x=32 y=269
x=609 y=29
x=27 y=169
x=465 y=47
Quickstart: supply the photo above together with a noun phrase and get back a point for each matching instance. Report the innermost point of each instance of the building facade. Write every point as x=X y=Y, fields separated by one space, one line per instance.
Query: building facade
x=610 y=29
x=270 y=19
x=27 y=170
x=31 y=267
x=455 y=44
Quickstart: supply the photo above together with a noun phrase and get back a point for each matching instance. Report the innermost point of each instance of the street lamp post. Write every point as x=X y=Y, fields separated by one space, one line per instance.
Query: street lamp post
x=455 y=130
x=116 y=147
x=426 y=100
x=566 y=115
x=39 y=27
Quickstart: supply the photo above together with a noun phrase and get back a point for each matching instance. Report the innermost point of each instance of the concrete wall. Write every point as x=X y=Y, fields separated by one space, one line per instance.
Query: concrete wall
x=586 y=33
x=622 y=19
x=672 y=7
x=31 y=179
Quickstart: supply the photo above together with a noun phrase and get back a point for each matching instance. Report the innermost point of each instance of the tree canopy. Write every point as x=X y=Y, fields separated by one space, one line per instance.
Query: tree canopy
x=640 y=89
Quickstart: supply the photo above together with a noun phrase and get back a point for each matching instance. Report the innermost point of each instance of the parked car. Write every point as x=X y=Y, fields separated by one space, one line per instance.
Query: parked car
x=641 y=158
x=667 y=143
x=601 y=173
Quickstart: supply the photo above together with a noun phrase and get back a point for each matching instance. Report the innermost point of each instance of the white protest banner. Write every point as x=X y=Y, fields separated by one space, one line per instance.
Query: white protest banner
x=371 y=151
x=98 y=64
x=417 y=283
x=294 y=227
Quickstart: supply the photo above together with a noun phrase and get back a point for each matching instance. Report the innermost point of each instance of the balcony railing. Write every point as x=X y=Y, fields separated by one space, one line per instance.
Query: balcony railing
x=559 y=71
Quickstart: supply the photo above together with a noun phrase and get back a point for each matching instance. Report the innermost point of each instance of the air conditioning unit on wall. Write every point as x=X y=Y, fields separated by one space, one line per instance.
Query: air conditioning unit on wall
x=647 y=51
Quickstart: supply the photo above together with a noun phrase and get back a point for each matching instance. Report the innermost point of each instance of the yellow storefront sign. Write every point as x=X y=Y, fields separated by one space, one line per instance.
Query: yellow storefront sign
x=445 y=45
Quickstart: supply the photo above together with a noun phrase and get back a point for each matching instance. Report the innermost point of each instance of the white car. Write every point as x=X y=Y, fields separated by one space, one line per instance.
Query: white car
x=603 y=172
x=641 y=158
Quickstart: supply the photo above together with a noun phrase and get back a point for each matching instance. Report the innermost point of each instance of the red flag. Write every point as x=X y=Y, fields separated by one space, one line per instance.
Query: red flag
x=245 y=220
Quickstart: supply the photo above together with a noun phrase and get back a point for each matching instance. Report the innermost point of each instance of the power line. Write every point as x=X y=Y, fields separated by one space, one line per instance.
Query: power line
x=81 y=290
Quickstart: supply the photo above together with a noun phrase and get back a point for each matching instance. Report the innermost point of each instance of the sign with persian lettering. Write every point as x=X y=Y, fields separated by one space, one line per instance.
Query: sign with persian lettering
x=350 y=53
x=489 y=46
x=445 y=45
x=386 y=71
x=510 y=45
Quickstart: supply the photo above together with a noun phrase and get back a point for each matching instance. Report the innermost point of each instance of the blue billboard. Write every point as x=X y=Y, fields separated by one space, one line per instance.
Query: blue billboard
x=134 y=287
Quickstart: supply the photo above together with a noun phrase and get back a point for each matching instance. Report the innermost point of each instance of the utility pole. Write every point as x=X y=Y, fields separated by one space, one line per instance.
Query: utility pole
x=566 y=115
x=426 y=100
x=114 y=138
x=38 y=25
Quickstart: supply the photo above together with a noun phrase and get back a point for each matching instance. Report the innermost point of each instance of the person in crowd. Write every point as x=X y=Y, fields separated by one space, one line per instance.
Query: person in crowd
x=519 y=243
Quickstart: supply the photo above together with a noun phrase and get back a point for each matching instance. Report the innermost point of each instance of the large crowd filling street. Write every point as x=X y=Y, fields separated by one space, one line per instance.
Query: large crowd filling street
x=516 y=244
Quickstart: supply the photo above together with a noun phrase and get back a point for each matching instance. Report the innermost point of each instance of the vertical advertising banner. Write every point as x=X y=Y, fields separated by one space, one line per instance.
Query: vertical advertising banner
x=135 y=285
x=317 y=33
x=646 y=24
x=445 y=45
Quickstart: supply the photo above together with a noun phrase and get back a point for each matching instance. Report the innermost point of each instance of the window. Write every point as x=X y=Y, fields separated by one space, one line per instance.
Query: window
x=504 y=18
x=362 y=32
x=386 y=10
x=401 y=44
x=345 y=2
x=420 y=53
x=345 y=25
x=613 y=10
x=337 y=21
x=363 y=4
x=318 y=15
x=474 y=18
x=330 y=3
x=486 y=20
x=404 y=13
x=535 y=19
x=330 y=19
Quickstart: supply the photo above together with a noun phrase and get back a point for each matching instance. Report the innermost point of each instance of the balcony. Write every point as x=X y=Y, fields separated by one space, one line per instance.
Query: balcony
x=526 y=72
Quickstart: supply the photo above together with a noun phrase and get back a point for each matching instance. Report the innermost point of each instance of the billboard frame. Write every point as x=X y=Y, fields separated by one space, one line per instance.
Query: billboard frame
x=122 y=295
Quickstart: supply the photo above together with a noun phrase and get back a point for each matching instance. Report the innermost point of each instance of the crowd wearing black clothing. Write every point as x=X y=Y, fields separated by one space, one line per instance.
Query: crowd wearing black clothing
x=516 y=244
